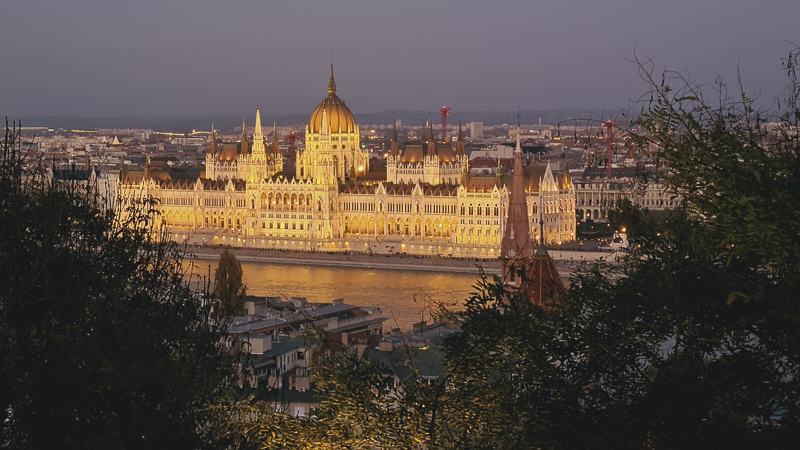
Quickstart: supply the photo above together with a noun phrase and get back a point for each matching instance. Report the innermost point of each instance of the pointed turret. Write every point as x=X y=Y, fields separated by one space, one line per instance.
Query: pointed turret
x=431 y=142
x=325 y=129
x=424 y=137
x=276 y=152
x=460 y=142
x=244 y=148
x=258 y=133
x=258 y=138
x=395 y=145
x=212 y=147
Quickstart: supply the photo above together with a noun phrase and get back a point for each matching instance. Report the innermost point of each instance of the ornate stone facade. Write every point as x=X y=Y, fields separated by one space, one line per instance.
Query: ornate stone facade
x=425 y=204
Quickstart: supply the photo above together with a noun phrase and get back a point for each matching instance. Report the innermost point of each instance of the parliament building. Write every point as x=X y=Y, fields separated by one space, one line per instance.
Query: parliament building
x=425 y=203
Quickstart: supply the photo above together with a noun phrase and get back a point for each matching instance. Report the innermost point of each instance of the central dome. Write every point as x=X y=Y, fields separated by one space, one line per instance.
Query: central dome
x=338 y=114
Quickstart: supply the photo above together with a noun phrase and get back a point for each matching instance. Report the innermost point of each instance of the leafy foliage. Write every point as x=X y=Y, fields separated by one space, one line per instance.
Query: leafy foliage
x=229 y=290
x=103 y=344
x=692 y=342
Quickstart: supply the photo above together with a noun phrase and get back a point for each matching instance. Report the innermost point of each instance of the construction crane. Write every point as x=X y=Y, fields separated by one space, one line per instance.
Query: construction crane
x=445 y=112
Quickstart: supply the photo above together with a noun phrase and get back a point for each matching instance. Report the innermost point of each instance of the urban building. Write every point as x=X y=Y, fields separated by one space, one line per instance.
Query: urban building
x=426 y=203
x=595 y=194
x=475 y=130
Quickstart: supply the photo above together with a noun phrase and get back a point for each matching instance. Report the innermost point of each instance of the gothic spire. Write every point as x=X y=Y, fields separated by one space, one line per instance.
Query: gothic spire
x=395 y=151
x=243 y=150
x=516 y=242
x=258 y=133
x=212 y=147
x=460 y=142
x=276 y=153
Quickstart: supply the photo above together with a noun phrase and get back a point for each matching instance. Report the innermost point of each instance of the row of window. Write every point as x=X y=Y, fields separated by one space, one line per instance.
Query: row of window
x=480 y=210
x=282 y=225
x=359 y=206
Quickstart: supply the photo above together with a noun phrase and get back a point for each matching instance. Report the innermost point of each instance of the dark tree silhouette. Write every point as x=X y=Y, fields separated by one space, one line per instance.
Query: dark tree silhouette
x=229 y=290
x=103 y=344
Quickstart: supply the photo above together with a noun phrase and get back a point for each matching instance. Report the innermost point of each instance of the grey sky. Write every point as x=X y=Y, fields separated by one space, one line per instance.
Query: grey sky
x=100 y=58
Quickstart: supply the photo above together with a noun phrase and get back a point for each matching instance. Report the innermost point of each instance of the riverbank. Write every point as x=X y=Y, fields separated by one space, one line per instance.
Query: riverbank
x=353 y=260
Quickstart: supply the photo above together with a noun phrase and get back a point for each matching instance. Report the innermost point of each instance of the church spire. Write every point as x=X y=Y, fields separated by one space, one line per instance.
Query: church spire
x=516 y=242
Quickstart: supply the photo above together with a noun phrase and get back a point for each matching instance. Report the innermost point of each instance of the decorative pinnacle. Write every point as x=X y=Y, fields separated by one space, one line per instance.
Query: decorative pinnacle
x=331 y=83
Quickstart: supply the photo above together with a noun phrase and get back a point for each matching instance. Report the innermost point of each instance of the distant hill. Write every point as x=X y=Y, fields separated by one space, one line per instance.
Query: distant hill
x=227 y=122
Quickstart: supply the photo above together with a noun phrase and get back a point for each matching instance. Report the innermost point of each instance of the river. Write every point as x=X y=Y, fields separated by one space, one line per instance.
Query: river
x=404 y=296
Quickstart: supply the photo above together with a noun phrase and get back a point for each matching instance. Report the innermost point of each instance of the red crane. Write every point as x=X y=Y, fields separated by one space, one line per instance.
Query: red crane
x=445 y=112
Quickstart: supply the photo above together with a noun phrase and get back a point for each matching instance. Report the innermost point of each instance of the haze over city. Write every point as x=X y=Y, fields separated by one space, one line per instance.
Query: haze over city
x=103 y=59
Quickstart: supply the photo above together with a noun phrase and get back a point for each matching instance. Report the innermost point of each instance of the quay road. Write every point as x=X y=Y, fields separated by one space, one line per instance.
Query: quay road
x=566 y=260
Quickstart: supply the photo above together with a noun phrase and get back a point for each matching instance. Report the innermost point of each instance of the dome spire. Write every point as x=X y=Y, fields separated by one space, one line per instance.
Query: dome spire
x=331 y=83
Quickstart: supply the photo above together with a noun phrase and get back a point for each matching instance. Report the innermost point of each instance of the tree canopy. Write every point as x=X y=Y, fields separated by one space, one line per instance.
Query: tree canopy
x=103 y=344
x=229 y=289
x=692 y=342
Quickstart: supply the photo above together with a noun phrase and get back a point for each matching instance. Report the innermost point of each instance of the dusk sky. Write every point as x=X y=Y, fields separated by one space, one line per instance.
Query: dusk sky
x=109 y=58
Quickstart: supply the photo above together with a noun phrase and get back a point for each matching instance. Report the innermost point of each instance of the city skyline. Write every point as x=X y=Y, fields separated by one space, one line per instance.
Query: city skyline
x=144 y=59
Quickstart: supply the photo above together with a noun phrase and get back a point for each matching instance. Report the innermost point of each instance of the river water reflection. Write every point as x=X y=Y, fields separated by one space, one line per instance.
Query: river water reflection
x=402 y=295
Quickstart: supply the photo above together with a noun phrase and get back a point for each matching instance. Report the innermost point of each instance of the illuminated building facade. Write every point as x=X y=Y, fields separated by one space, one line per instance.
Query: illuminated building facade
x=425 y=204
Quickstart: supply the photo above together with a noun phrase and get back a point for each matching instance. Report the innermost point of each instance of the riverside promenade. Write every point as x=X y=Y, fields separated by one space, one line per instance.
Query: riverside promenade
x=567 y=260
